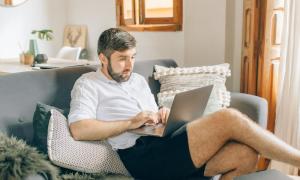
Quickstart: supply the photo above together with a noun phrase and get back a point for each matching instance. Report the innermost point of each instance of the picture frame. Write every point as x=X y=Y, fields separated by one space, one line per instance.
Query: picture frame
x=75 y=36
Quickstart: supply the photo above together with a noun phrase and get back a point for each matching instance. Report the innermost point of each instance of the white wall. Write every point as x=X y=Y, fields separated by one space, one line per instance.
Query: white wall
x=204 y=32
x=100 y=15
x=234 y=23
x=211 y=33
x=17 y=23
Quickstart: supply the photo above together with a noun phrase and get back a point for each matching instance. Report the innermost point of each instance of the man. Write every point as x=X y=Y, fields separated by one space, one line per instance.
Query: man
x=107 y=103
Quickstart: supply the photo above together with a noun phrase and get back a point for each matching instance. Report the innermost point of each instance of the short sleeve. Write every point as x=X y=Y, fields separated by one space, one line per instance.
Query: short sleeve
x=84 y=101
x=150 y=96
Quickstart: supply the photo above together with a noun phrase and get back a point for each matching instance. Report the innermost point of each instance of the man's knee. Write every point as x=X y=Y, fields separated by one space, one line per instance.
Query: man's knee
x=248 y=158
x=232 y=117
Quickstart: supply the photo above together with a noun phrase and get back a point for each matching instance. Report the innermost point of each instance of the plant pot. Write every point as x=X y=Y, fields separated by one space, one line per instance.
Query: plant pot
x=26 y=59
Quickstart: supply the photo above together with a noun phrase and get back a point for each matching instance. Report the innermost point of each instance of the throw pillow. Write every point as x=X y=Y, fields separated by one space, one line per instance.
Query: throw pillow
x=40 y=124
x=84 y=156
x=175 y=80
x=21 y=161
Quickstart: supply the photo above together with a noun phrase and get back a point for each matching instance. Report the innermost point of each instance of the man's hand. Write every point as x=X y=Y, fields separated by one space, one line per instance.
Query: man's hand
x=163 y=114
x=143 y=118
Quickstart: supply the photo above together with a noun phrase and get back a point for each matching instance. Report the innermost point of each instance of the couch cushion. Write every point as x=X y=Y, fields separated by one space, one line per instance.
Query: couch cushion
x=40 y=123
x=19 y=93
x=146 y=69
x=175 y=80
x=84 y=156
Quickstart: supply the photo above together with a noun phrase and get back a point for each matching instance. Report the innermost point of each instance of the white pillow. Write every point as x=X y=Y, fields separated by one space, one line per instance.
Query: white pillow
x=175 y=80
x=84 y=156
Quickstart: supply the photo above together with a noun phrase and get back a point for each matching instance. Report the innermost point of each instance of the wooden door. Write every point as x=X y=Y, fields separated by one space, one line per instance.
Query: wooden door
x=269 y=56
x=261 y=53
x=249 y=49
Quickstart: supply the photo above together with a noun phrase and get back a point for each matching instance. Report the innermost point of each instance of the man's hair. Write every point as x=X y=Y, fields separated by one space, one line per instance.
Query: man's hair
x=115 y=39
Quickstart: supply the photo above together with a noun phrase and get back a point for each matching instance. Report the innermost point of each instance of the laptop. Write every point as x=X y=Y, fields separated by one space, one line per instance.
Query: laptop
x=57 y=65
x=186 y=106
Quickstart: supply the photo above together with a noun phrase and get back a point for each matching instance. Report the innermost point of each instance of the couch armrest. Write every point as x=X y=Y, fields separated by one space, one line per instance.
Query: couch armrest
x=253 y=106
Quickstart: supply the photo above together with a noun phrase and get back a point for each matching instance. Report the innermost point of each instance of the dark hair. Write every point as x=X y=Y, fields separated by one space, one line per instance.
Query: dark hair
x=115 y=39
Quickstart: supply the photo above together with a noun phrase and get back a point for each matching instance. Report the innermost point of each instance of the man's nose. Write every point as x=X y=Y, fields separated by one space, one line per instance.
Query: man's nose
x=129 y=62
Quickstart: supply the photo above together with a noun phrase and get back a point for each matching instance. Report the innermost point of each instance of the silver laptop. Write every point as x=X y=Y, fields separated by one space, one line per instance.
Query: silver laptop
x=186 y=106
x=57 y=65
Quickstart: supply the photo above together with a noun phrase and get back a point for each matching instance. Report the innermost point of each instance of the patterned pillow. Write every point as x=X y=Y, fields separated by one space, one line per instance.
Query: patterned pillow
x=84 y=156
x=175 y=80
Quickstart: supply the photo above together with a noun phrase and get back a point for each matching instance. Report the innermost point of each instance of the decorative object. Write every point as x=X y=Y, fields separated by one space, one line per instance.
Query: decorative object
x=18 y=160
x=71 y=53
x=11 y=3
x=64 y=151
x=175 y=80
x=41 y=58
x=44 y=34
x=84 y=54
x=75 y=36
x=40 y=123
x=26 y=58
x=33 y=47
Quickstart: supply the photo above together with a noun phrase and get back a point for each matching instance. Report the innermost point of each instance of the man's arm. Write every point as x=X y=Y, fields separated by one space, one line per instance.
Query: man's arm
x=91 y=129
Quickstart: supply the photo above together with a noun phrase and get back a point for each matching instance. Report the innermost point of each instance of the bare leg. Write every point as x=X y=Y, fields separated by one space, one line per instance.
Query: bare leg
x=207 y=135
x=236 y=159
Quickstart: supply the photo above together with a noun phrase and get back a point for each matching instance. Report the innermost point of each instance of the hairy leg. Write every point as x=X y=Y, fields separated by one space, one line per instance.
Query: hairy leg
x=207 y=135
x=232 y=160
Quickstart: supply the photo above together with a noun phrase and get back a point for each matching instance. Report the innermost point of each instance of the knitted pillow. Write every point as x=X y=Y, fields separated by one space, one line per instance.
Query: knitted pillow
x=84 y=156
x=175 y=80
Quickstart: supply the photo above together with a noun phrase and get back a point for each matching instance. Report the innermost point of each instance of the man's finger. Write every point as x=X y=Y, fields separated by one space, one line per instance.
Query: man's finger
x=162 y=115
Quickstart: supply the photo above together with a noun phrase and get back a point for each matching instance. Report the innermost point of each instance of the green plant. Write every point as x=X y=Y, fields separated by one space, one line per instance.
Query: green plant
x=44 y=34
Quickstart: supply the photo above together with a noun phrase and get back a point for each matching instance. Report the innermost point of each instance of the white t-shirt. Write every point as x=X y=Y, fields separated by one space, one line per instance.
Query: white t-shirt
x=96 y=97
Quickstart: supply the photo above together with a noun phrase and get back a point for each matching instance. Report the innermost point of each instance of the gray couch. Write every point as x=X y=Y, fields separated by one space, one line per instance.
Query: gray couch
x=20 y=92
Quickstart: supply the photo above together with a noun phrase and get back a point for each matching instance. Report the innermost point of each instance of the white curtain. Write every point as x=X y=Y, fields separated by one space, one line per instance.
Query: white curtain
x=288 y=102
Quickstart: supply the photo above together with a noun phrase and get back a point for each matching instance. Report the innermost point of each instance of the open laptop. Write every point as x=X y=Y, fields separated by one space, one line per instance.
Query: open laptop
x=57 y=65
x=186 y=106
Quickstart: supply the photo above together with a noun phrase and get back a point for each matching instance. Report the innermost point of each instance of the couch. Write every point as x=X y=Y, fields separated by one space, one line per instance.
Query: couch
x=20 y=92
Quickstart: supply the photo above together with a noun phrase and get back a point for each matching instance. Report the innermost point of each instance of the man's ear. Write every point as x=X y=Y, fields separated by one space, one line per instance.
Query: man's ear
x=103 y=59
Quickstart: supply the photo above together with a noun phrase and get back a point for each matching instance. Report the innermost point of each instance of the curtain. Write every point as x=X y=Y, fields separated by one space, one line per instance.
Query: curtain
x=287 y=125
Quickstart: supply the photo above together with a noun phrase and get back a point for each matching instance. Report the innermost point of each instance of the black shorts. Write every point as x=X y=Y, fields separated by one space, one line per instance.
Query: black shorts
x=161 y=158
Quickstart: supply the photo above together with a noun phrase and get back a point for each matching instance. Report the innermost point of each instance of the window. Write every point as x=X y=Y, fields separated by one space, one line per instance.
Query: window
x=149 y=15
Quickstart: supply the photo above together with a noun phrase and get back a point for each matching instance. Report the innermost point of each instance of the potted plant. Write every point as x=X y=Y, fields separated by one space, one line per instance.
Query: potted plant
x=43 y=34
x=26 y=58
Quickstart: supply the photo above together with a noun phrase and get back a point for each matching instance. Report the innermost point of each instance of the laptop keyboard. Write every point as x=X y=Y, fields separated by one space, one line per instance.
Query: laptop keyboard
x=151 y=127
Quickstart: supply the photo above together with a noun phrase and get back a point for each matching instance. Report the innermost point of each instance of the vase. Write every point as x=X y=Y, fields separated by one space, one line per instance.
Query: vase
x=33 y=47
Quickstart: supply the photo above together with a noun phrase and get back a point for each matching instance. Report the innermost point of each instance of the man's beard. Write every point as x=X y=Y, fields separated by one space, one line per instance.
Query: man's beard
x=118 y=77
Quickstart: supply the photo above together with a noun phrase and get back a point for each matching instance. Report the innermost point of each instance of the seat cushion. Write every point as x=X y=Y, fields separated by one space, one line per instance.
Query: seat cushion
x=176 y=80
x=84 y=156
x=40 y=123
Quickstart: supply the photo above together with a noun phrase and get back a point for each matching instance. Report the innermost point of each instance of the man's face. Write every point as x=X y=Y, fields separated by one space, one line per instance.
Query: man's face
x=120 y=64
